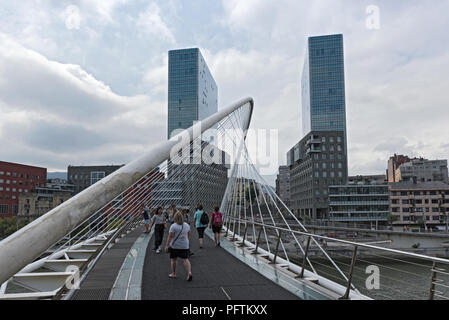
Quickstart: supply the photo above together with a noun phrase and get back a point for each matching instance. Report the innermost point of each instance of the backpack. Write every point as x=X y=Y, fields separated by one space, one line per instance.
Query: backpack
x=217 y=220
x=204 y=218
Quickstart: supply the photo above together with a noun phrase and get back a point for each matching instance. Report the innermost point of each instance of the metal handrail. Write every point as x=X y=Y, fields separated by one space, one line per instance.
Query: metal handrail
x=359 y=244
x=39 y=235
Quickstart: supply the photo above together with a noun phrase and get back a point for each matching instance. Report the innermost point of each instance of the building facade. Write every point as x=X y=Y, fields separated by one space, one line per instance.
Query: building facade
x=421 y=203
x=316 y=162
x=359 y=203
x=323 y=85
x=283 y=185
x=16 y=179
x=192 y=91
x=82 y=177
x=192 y=184
x=367 y=179
x=393 y=163
x=41 y=200
x=422 y=170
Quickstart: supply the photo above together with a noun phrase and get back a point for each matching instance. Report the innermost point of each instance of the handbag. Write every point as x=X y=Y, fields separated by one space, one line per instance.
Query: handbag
x=170 y=248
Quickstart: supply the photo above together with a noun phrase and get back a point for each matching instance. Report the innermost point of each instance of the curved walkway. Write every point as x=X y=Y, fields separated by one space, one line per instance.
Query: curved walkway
x=217 y=275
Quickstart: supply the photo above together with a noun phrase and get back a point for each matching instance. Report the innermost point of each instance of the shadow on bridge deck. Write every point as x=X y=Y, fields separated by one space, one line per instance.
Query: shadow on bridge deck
x=217 y=275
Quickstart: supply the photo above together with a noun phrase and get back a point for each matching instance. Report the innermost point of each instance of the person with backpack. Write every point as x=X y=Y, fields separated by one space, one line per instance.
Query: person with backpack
x=178 y=245
x=216 y=222
x=201 y=220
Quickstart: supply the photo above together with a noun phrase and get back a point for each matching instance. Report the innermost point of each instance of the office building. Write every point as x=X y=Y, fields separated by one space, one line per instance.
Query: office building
x=283 y=184
x=320 y=158
x=16 y=179
x=83 y=177
x=315 y=163
x=361 y=203
x=419 y=203
x=422 y=170
x=41 y=200
x=393 y=164
x=194 y=183
x=192 y=91
x=367 y=179
x=323 y=85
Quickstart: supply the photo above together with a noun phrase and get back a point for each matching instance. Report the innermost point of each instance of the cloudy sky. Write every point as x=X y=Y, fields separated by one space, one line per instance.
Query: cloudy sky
x=85 y=82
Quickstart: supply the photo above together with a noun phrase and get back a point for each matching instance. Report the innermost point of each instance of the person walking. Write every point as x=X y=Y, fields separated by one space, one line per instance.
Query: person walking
x=171 y=214
x=185 y=215
x=200 y=223
x=216 y=222
x=159 y=227
x=146 y=218
x=178 y=245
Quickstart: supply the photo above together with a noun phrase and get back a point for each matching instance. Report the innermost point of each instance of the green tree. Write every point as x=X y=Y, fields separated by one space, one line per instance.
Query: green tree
x=10 y=225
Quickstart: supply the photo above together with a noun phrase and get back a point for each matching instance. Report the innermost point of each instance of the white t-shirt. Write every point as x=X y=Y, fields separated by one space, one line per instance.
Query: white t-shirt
x=182 y=242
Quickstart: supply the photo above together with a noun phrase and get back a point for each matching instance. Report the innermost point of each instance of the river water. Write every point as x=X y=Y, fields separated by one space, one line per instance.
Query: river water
x=399 y=278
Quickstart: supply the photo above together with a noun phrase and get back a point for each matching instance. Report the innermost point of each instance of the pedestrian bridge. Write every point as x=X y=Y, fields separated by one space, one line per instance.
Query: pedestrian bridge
x=92 y=246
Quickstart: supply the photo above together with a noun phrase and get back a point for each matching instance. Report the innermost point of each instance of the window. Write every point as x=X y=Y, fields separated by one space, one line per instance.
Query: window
x=405 y=202
x=2 y=173
x=339 y=148
x=3 y=208
x=331 y=139
x=406 y=218
x=323 y=156
x=324 y=165
x=435 y=210
x=338 y=139
x=96 y=176
x=436 y=218
x=405 y=210
x=1 y=180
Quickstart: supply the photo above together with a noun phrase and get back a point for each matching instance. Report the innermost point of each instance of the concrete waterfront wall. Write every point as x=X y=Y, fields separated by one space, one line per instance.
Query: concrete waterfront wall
x=422 y=243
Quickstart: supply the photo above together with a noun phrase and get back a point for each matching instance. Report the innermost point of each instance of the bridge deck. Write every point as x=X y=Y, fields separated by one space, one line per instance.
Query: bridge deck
x=217 y=275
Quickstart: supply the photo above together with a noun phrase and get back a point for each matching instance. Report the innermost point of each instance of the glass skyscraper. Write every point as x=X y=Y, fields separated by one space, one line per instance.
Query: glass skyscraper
x=323 y=85
x=192 y=91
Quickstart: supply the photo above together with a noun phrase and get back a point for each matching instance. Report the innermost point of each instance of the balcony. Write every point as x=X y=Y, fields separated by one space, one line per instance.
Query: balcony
x=313 y=140
x=312 y=150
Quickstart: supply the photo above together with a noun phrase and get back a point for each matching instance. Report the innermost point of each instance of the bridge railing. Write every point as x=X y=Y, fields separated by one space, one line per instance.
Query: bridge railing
x=378 y=272
x=90 y=219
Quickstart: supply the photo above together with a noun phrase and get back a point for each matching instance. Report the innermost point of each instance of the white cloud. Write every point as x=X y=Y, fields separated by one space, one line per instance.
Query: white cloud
x=72 y=17
x=54 y=114
x=151 y=22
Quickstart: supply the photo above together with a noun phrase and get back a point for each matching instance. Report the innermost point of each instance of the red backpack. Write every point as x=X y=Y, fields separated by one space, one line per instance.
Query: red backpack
x=217 y=220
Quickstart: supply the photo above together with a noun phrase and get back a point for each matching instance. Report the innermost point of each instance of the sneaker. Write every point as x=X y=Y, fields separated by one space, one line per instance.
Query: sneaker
x=158 y=251
x=218 y=245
